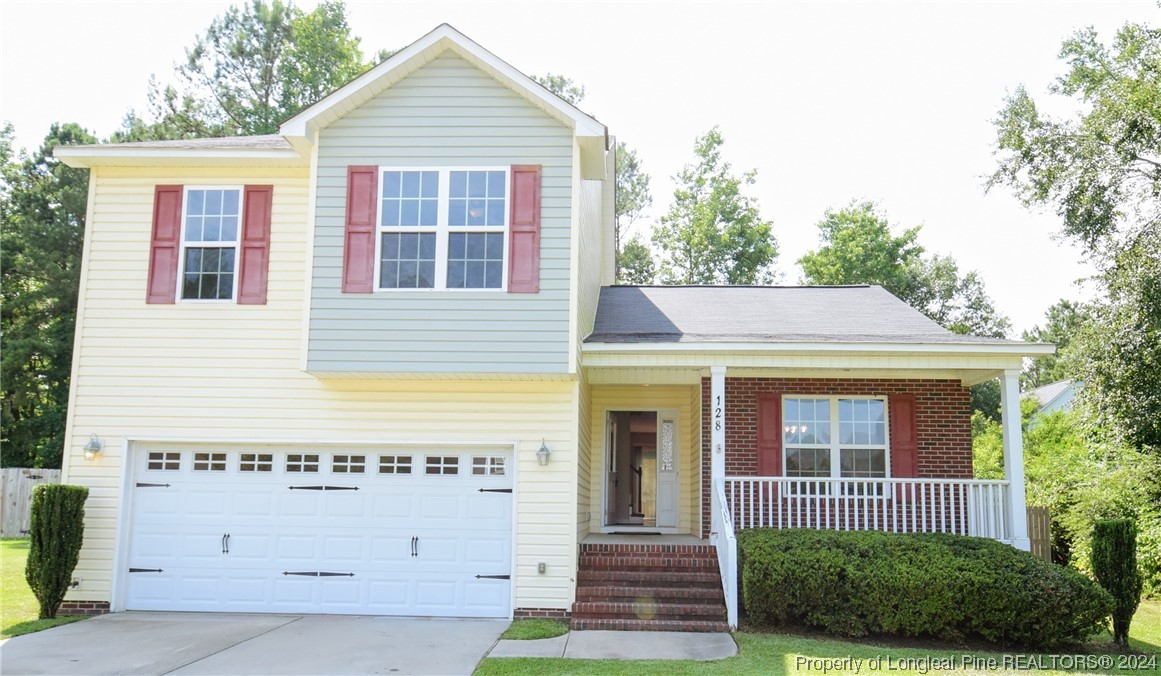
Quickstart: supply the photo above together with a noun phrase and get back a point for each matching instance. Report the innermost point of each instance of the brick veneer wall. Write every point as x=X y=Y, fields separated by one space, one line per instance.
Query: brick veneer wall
x=531 y=613
x=71 y=608
x=942 y=419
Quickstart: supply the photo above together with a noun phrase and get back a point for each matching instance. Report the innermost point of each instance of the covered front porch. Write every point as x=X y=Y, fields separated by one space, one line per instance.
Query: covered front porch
x=819 y=407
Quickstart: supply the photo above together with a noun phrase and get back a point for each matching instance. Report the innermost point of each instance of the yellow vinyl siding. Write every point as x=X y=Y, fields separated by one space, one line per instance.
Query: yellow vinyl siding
x=637 y=398
x=584 y=485
x=222 y=372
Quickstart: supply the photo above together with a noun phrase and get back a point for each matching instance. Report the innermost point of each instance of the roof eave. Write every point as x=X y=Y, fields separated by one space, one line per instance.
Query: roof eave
x=959 y=349
x=87 y=157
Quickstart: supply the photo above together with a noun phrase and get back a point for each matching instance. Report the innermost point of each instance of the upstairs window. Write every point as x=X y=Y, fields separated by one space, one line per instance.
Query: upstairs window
x=442 y=228
x=209 y=243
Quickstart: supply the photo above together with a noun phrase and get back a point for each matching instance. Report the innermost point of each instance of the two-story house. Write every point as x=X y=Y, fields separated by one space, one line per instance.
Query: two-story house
x=376 y=364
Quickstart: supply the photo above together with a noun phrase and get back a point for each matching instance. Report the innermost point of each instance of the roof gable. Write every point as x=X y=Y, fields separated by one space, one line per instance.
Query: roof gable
x=591 y=135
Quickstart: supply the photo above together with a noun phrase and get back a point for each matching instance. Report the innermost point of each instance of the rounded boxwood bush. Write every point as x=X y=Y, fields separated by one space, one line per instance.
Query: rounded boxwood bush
x=857 y=583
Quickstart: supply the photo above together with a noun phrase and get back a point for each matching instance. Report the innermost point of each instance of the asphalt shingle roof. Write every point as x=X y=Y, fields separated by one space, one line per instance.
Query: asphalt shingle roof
x=690 y=314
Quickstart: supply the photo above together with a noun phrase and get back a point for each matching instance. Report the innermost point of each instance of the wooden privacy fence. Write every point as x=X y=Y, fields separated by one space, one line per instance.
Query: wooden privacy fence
x=1040 y=532
x=16 y=497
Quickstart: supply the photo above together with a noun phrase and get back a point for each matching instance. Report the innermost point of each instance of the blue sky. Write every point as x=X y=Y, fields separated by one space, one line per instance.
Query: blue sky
x=829 y=101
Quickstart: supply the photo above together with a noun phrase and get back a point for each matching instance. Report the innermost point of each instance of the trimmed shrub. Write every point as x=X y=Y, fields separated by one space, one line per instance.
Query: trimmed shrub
x=1114 y=563
x=857 y=583
x=57 y=531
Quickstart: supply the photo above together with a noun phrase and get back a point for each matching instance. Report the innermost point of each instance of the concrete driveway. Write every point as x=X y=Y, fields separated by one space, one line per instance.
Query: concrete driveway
x=218 y=643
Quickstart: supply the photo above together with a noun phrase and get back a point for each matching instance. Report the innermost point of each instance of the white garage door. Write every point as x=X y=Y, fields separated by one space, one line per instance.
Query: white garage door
x=395 y=532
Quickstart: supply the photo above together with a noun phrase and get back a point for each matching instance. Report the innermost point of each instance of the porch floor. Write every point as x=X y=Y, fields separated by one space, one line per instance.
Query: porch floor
x=641 y=539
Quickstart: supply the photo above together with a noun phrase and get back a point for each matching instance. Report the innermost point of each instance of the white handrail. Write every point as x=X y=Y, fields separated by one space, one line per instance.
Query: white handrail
x=726 y=545
x=906 y=505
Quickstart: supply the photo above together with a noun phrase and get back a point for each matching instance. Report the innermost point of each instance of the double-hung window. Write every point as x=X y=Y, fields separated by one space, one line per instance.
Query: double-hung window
x=442 y=228
x=834 y=437
x=209 y=243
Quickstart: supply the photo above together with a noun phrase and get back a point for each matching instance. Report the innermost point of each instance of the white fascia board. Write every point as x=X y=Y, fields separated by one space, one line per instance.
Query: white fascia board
x=958 y=349
x=415 y=55
x=112 y=156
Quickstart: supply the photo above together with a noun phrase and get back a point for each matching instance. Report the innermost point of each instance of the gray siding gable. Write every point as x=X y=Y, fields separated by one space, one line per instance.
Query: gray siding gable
x=446 y=114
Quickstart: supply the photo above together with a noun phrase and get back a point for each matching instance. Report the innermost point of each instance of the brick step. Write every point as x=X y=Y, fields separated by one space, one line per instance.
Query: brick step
x=702 y=579
x=648 y=610
x=581 y=624
x=664 y=551
x=592 y=562
x=610 y=592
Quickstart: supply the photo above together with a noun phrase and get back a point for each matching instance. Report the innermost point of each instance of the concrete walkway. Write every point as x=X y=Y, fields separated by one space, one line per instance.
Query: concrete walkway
x=623 y=645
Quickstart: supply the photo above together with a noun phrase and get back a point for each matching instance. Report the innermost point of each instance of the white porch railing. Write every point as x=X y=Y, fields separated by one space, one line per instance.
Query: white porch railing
x=959 y=506
x=727 y=549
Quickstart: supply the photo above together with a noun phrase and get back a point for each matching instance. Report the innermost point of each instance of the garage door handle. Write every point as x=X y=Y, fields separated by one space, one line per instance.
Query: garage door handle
x=415 y=546
x=225 y=543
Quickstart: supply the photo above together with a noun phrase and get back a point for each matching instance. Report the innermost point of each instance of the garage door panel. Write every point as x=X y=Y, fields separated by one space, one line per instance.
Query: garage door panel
x=340 y=550
x=391 y=549
x=295 y=548
x=253 y=504
x=299 y=503
x=493 y=551
x=397 y=505
x=180 y=517
x=480 y=595
x=389 y=596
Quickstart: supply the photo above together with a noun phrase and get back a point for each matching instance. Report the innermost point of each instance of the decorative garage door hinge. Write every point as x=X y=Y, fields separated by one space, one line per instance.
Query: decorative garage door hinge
x=495 y=490
x=141 y=485
x=323 y=488
x=144 y=570
x=317 y=573
x=494 y=577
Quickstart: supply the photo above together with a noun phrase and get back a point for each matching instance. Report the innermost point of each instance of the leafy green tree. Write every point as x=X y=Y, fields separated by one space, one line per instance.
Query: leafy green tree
x=1080 y=479
x=713 y=232
x=255 y=66
x=637 y=265
x=562 y=86
x=1100 y=168
x=632 y=199
x=1120 y=349
x=857 y=245
x=1063 y=322
x=42 y=225
x=632 y=193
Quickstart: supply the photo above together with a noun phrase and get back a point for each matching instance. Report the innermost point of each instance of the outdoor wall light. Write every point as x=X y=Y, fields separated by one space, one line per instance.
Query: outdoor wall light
x=543 y=453
x=93 y=448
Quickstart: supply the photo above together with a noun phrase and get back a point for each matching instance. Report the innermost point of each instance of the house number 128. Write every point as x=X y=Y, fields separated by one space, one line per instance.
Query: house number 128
x=718 y=413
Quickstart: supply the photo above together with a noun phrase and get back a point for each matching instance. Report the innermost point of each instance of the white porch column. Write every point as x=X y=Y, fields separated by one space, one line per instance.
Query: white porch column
x=1014 y=459
x=717 y=439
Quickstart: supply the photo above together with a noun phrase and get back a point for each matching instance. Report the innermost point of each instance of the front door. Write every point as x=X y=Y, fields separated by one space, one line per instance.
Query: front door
x=641 y=469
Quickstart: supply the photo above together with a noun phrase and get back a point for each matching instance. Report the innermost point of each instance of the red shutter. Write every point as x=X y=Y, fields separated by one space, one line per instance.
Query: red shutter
x=165 y=245
x=769 y=434
x=904 y=440
x=524 y=235
x=255 y=249
x=359 y=240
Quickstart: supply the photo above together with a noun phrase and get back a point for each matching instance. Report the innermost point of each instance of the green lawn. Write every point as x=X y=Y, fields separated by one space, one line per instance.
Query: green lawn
x=527 y=630
x=18 y=607
x=788 y=654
